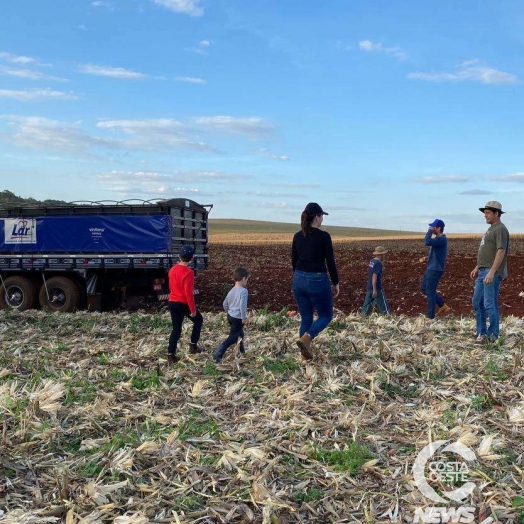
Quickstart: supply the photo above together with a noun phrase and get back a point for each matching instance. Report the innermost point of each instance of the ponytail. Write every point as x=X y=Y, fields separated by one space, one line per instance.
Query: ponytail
x=305 y=223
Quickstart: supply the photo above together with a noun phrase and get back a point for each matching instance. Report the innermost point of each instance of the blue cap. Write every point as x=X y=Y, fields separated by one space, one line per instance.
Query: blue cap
x=437 y=223
x=186 y=251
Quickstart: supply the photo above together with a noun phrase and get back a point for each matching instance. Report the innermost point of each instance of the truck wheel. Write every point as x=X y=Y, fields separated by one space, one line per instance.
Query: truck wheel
x=17 y=293
x=64 y=295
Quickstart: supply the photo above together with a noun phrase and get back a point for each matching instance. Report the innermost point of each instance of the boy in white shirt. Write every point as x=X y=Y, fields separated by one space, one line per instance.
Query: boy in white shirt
x=235 y=305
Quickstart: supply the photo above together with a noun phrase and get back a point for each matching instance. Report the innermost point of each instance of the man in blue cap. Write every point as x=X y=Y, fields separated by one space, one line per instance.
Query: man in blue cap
x=437 y=242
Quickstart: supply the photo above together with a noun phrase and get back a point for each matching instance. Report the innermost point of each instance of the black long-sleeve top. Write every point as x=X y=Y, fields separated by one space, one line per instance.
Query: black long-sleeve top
x=313 y=252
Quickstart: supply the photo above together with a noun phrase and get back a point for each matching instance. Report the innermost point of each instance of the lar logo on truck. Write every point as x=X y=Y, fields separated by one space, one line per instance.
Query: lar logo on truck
x=20 y=230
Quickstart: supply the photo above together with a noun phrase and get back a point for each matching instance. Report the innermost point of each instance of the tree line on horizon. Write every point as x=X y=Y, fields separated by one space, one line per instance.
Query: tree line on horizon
x=8 y=197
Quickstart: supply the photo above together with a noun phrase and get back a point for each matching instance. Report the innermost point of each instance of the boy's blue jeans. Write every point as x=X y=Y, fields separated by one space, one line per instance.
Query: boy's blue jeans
x=236 y=331
x=485 y=303
x=428 y=286
x=313 y=293
x=369 y=302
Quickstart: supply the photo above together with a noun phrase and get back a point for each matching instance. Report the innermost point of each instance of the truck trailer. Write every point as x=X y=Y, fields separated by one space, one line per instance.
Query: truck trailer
x=95 y=254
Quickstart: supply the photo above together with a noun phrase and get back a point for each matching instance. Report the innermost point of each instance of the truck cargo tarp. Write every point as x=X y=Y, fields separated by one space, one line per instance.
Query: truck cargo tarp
x=86 y=234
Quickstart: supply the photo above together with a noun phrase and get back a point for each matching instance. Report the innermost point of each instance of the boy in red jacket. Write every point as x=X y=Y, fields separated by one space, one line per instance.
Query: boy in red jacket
x=182 y=304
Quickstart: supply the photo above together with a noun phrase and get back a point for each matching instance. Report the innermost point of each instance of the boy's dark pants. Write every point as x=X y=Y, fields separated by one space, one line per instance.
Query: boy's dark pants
x=236 y=331
x=380 y=301
x=178 y=311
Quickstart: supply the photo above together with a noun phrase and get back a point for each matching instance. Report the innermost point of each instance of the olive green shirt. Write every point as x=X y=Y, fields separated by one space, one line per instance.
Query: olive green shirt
x=495 y=238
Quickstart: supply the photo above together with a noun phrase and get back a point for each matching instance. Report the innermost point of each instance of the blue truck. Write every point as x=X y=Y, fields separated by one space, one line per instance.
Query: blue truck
x=95 y=254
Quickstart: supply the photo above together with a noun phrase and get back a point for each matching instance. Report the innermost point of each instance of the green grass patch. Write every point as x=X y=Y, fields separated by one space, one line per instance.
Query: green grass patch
x=350 y=459
x=90 y=470
x=80 y=391
x=481 y=402
x=146 y=380
x=197 y=425
x=188 y=502
x=310 y=495
x=267 y=321
x=283 y=366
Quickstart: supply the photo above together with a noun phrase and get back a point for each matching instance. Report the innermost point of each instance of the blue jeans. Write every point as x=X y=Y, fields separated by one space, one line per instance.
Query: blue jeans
x=428 y=286
x=369 y=302
x=485 y=303
x=236 y=331
x=313 y=293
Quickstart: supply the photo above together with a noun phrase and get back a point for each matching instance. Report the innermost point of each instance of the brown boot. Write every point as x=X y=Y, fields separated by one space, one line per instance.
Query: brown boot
x=304 y=344
x=195 y=348
x=443 y=311
x=172 y=358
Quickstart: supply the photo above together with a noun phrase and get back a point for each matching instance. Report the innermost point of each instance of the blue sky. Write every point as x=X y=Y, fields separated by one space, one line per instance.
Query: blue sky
x=388 y=114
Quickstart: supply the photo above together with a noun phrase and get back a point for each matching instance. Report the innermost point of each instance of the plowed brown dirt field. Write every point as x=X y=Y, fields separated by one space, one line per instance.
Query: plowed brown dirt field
x=270 y=283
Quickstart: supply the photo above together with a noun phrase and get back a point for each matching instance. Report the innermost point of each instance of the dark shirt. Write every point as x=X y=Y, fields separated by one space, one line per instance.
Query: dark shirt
x=375 y=268
x=438 y=251
x=313 y=252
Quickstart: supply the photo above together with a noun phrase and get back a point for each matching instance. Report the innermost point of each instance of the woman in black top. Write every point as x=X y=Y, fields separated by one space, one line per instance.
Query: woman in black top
x=312 y=257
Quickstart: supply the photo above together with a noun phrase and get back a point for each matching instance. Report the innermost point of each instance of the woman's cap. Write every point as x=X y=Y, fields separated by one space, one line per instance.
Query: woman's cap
x=186 y=251
x=493 y=205
x=314 y=209
x=380 y=250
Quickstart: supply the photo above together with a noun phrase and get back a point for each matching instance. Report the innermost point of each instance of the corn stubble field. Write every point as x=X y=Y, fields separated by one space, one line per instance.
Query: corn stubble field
x=96 y=428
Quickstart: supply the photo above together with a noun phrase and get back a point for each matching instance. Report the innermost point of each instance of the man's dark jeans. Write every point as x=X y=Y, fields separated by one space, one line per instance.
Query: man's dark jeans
x=236 y=331
x=429 y=286
x=178 y=311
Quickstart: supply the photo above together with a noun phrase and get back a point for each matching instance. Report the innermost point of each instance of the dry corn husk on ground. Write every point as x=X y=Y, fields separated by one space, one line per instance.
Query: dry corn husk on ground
x=95 y=428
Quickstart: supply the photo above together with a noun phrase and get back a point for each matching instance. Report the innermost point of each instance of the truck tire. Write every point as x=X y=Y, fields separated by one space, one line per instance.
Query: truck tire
x=17 y=293
x=64 y=295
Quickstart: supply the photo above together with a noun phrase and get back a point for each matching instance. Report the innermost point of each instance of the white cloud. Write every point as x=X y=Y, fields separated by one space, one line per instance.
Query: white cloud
x=31 y=75
x=161 y=134
x=112 y=72
x=17 y=59
x=43 y=133
x=158 y=183
x=200 y=48
x=138 y=126
x=251 y=126
x=367 y=45
x=267 y=154
x=273 y=205
x=190 y=80
x=441 y=179
x=469 y=71
x=513 y=177
x=188 y=7
x=98 y=3
x=475 y=192
x=295 y=185
x=32 y=95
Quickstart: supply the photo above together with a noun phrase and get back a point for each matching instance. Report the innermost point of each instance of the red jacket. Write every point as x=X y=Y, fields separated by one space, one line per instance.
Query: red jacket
x=181 y=283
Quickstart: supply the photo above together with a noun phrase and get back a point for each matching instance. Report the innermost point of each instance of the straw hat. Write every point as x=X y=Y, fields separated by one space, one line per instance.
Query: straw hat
x=380 y=250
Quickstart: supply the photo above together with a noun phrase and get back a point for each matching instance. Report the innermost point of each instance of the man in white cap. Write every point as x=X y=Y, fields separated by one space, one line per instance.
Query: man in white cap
x=491 y=268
